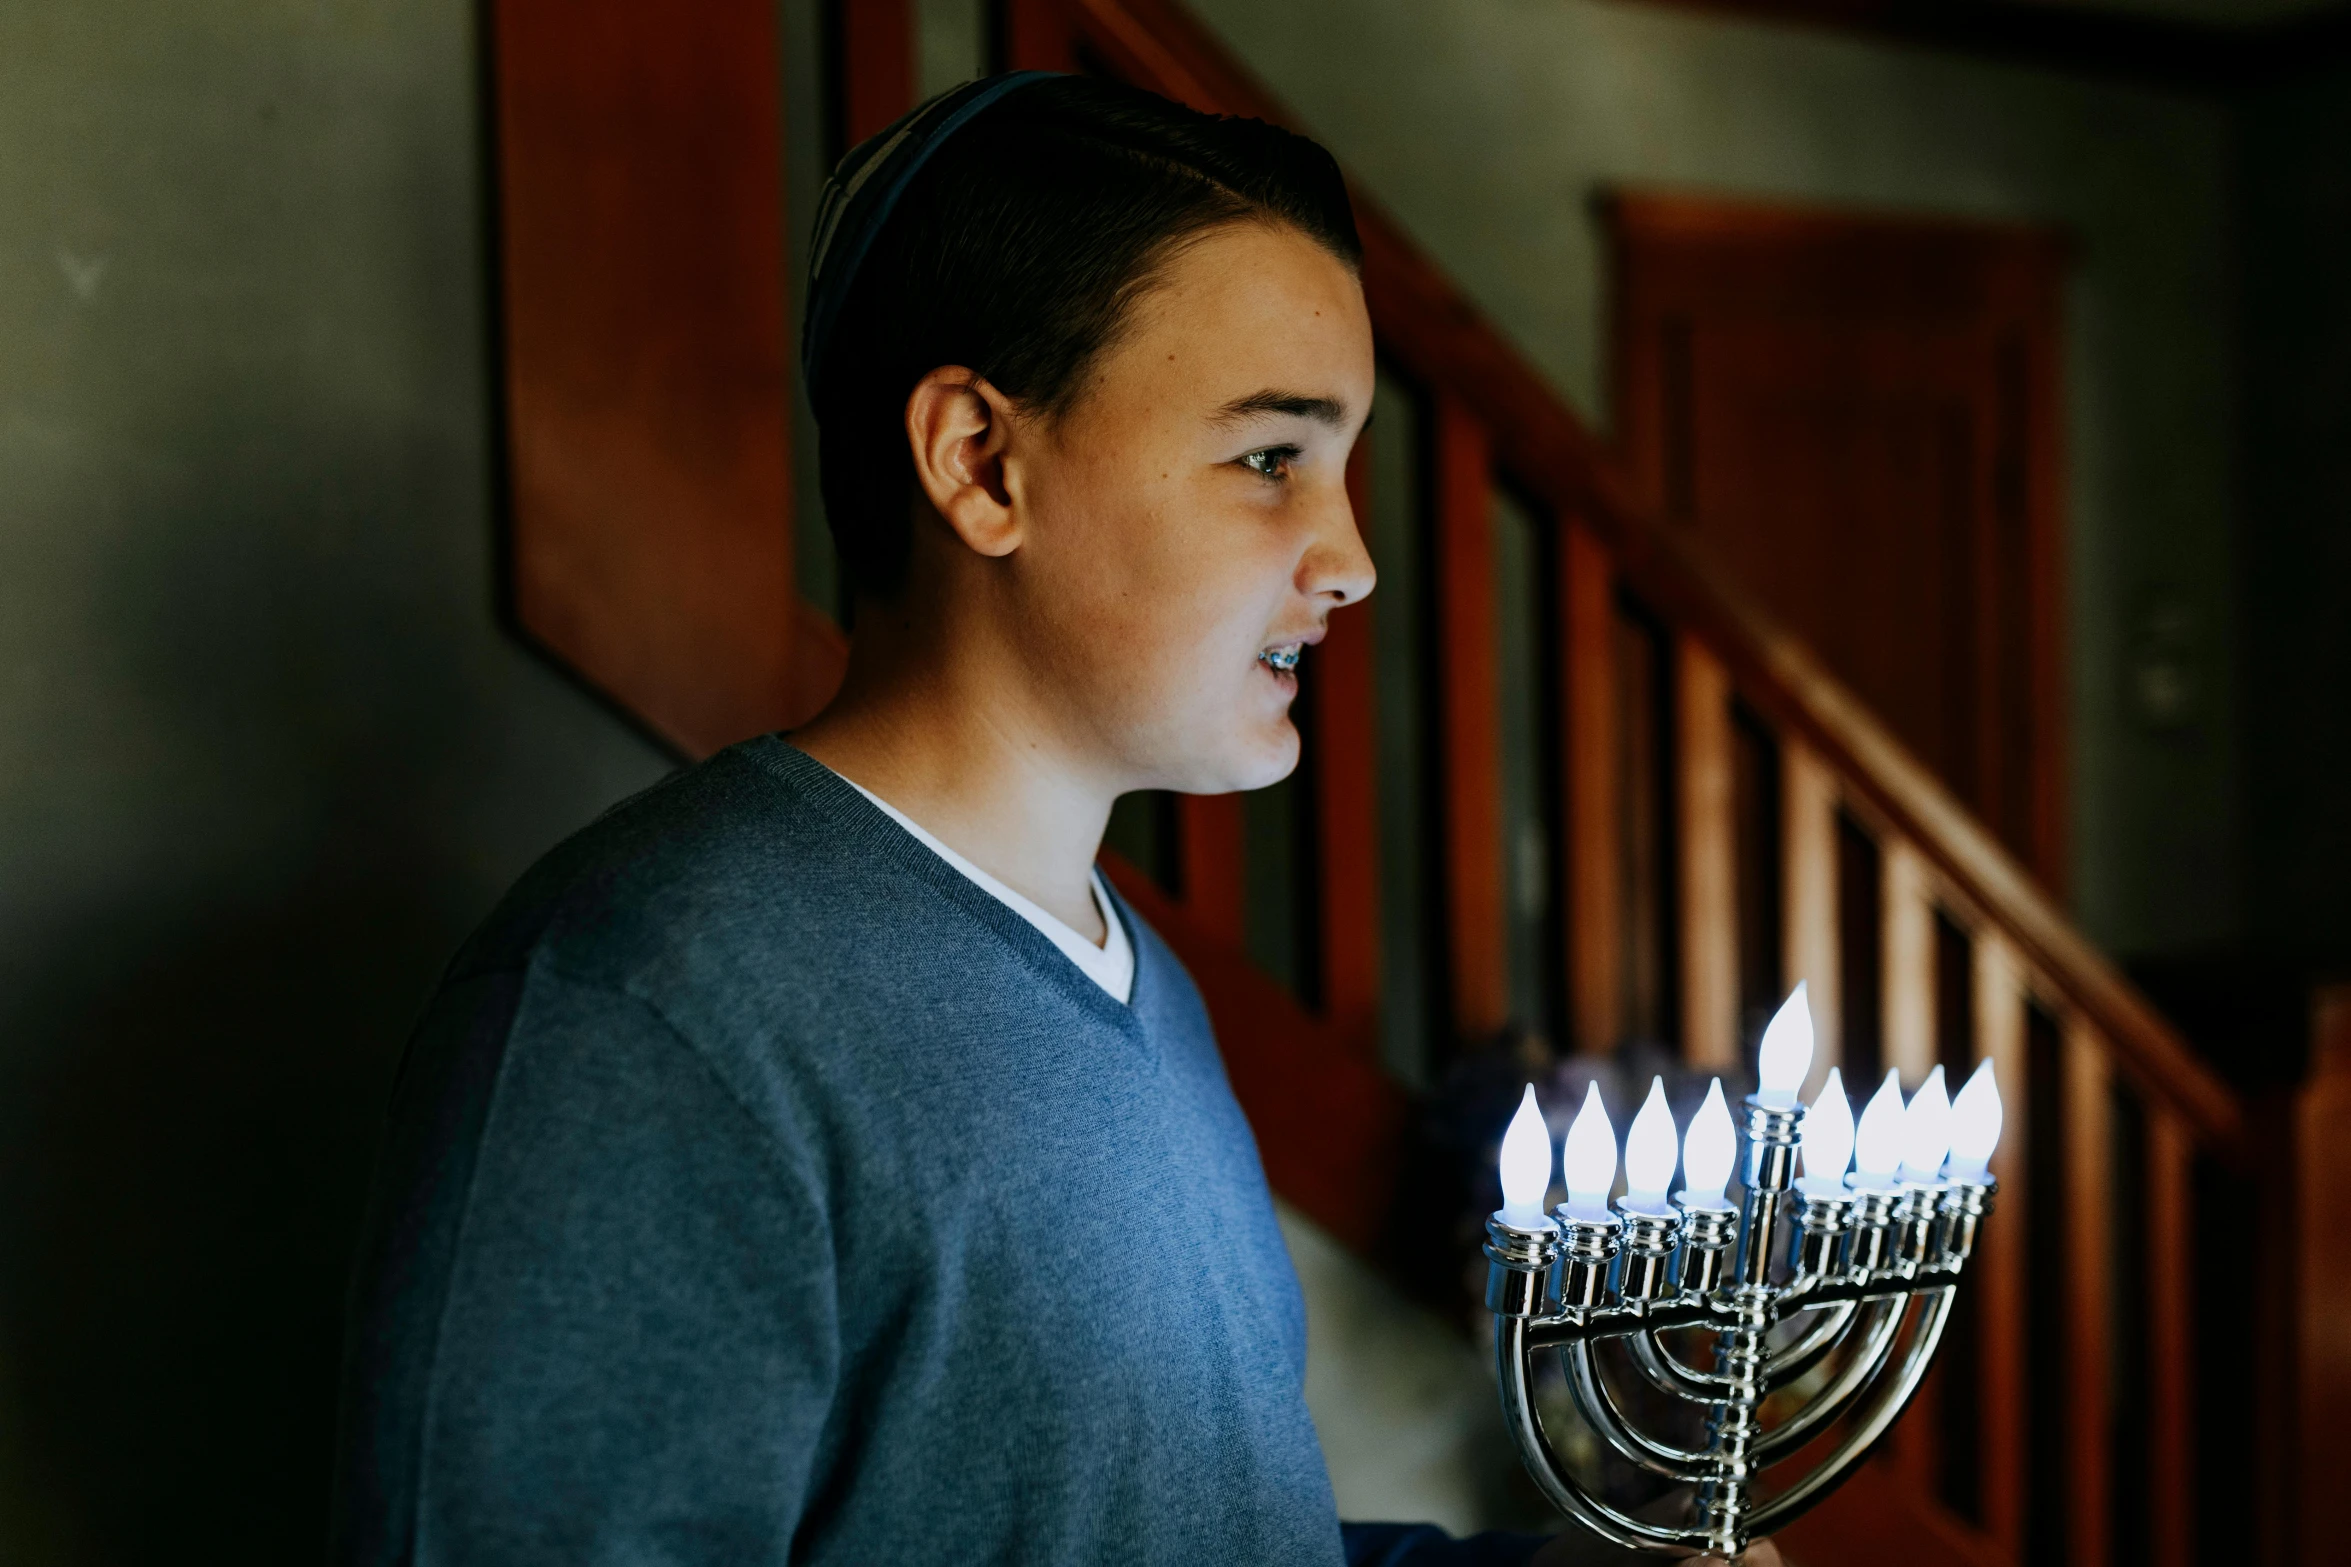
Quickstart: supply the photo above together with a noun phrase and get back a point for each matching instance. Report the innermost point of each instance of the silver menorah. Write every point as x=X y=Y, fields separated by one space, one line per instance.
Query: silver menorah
x=1831 y=1291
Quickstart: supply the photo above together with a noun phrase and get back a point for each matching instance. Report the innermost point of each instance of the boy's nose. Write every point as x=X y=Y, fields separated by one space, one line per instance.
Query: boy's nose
x=1336 y=565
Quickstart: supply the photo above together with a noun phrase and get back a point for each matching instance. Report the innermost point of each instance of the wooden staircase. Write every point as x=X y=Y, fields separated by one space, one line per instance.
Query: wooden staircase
x=2076 y=1048
x=2062 y=1425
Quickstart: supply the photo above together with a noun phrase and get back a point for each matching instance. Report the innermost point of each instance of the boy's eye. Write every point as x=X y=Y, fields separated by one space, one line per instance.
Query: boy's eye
x=1273 y=462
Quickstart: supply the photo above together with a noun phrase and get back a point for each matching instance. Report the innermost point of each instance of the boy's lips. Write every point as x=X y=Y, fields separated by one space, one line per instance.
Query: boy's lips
x=1282 y=657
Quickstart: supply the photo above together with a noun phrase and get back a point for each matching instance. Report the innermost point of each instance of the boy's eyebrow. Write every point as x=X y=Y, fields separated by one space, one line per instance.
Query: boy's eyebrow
x=1323 y=410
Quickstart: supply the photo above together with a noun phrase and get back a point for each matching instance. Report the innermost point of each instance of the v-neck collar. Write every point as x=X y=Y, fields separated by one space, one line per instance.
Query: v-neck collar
x=869 y=829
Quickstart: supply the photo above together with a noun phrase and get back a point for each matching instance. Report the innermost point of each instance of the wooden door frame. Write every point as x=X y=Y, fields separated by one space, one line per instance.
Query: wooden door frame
x=2025 y=265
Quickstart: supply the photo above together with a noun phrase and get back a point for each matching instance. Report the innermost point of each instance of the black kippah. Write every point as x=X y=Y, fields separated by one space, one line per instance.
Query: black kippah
x=859 y=196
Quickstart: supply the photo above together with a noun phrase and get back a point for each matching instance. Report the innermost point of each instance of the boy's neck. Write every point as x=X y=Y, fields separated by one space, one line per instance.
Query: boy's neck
x=959 y=748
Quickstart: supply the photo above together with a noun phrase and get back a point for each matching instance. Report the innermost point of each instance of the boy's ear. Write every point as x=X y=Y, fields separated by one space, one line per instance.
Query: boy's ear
x=958 y=427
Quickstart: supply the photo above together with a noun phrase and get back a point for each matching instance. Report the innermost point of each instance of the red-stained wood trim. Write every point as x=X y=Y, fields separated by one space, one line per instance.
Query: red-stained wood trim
x=1706 y=858
x=1433 y=331
x=877 y=64
x=819 y=659
x=2170 y=1263
x=1469 y=705
x=2321 y=1329
x=1595 y=911
x=1346 y=780
x=1038 y=35
x=1808 y=893
x=2087 y=1280
x=1999 y=1260
x=2048 y=691
x=640 y=231
x=1976 y=304
x=1914 y=1448
x=1215 y=874
x=1326 y=1118
x=1877 y=1516
x=1907 y=963
x=2173 y=51
x=2274 y=1271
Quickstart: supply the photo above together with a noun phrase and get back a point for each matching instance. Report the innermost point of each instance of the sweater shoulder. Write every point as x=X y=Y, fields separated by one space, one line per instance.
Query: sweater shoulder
x=752 y=845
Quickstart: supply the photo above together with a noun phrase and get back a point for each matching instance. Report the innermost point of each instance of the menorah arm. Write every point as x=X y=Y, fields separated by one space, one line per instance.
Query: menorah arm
x=1526 y=1429
x=1599 y=1407
x=1619 y=1322
x=1848 y=1384
x=1805 y=1351
x=1667 y=1374
x=1796 y=1499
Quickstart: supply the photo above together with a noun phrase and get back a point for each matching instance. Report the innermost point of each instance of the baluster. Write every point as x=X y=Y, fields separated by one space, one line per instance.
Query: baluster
x=877 y=65
x=1039 y=35
x=1213 y=843
x=1808 y=877
x=1706 y=854
x=1346 y=808
x=1587 y=593
x=2168 y=1282
x=1908 y=987
x=2322 y=1242
x=1706 y=857
x=1909 y=962
x=2000 y=1039
x=2087 y=1282
x=1469 y=710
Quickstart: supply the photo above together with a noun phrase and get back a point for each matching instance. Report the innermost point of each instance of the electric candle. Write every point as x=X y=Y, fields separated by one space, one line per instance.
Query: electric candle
x=1877 y=1146
x=1708 y=1149
x=1926 y=1130
x=1649 y=1149
x=1587 y=1159
x=1786 y=1052
x=1828 y=1137
x=1975 y=1125
x=1526 y=1165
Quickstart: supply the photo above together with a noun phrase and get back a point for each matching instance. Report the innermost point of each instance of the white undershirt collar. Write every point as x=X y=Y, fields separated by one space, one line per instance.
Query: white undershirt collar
x=1111 y=965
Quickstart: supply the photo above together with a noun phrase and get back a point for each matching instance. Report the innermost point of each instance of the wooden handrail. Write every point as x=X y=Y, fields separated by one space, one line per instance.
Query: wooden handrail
x=1779 y=674
x=1436 y=333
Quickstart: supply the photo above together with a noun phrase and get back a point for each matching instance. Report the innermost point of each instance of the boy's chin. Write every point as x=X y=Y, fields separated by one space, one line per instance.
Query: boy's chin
x=1235 y=762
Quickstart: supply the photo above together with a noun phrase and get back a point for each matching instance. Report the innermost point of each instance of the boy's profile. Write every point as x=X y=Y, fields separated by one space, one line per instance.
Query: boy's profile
x=813 y=1160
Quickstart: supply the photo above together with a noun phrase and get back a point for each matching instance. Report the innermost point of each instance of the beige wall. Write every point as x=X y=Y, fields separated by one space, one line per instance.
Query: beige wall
x=264 y=752
x=2296 y=175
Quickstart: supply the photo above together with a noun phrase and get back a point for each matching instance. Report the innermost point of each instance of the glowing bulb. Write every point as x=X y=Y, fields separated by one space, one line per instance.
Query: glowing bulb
x=1588 y=1158
x=1708 y=1149
x=1926 y=1130
x=1526 y=1164
x=1828 y=1134
x=1649 y=1150
x=1975 y=1125
x=1877 y=1146
x=1786 y=1053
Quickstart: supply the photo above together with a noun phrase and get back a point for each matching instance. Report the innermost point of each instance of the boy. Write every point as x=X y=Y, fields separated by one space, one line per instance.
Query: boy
x=813 y=1160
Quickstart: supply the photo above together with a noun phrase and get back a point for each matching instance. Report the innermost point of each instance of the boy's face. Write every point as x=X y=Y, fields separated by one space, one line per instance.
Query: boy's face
x=1189 y=513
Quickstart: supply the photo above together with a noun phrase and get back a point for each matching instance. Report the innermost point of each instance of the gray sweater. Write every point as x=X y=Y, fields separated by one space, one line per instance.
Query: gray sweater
x=757 y=1188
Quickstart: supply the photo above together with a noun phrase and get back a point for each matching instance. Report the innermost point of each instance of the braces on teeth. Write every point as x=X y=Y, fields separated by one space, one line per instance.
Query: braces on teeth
x=1283 y=659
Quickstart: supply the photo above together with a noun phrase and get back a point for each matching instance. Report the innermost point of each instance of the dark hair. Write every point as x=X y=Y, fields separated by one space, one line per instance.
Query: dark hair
x=1017 y=250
